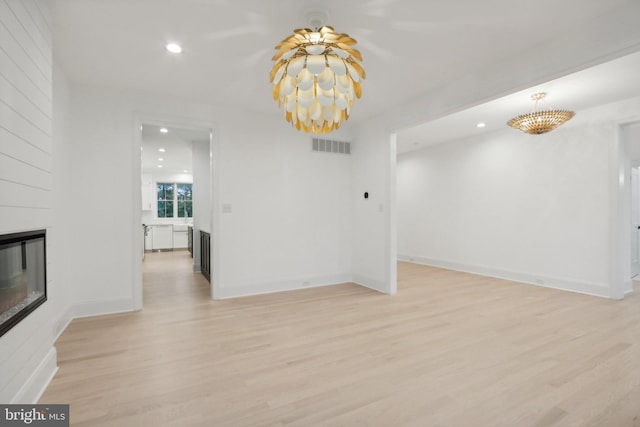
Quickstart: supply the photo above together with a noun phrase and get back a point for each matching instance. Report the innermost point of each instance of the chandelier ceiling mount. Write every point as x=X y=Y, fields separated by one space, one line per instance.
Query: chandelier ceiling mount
x=317 y=18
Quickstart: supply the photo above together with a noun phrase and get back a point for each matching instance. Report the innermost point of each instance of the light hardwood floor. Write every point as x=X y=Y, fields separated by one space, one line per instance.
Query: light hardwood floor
x=451 y=349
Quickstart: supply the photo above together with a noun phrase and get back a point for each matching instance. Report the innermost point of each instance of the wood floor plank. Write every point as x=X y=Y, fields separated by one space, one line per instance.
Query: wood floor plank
x=450 y=349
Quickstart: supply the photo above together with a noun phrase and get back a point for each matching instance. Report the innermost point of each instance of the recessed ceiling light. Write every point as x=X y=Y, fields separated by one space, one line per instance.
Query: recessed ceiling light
x=159 y=166
x=164 y=130
x=174 y=48
x=480 y=125
x=185 y=171
x=160 y=159
x=162 y=150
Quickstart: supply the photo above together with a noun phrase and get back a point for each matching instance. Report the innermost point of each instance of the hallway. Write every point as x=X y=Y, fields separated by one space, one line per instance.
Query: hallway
x=168 y=280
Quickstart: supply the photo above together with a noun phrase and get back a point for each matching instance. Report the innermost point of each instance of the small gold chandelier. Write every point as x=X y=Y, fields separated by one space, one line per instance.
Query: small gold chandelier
x=538 y=122
x=316 y=78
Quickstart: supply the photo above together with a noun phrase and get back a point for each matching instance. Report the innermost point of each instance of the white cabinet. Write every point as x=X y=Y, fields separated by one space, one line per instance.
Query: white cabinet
x=167 y=236
x=162 y=236
x=180 y=237
x=147 y=193
x=180 y=240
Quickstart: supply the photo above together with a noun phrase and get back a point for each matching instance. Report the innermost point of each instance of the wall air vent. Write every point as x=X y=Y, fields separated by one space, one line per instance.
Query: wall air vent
x=330 y=146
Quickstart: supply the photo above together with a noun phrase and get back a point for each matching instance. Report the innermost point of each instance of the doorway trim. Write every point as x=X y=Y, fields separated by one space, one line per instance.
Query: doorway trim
x=141 y=118
x=635 y=225
x=620 y=211
x=392 y=225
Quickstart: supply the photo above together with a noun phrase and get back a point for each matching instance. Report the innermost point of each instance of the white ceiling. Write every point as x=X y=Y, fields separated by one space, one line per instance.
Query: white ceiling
x=177 y=145
x=410 y=47
x=609 y=82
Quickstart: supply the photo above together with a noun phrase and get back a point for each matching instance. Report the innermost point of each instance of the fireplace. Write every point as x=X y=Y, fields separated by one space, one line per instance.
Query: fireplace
x=23 y=276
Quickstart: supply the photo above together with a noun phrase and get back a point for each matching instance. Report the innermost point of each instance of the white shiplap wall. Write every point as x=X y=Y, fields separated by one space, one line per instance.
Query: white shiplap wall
x=25 y=116
x=27 y=355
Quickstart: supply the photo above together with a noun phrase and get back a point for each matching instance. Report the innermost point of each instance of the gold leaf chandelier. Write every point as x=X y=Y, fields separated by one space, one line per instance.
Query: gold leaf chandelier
x=316 y=78
x=539 y=122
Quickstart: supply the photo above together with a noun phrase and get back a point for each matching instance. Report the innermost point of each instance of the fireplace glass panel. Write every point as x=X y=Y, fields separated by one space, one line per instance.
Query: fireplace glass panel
x=22 y=276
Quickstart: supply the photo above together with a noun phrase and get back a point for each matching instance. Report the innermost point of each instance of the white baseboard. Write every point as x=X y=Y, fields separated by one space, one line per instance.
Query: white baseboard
x=63 y=322
x=242 y=290
x=582 y=287
x=102 y=307
x=373 y=284
x=37 y=383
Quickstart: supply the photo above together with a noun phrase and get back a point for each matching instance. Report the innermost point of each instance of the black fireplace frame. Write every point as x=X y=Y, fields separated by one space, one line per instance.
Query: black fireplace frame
x=18 y=238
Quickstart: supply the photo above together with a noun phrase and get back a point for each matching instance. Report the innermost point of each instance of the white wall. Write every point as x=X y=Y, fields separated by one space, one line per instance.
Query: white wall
x=171 y=177
x=101 y=178
x=64 y=225
x=27 y=355
x=373 y=222
x=632 y=138
x=290 y=225
x=507 y=204
x=291 y=208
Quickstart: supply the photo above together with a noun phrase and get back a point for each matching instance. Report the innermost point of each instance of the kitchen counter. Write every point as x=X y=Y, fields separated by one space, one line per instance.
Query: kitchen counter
x=180 y=227
x=167 y=236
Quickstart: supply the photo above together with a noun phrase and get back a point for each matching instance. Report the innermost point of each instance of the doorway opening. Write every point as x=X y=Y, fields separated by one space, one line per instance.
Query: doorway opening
x=175 y=172
x=630 y=164
x=635 y=221
x=167 y=185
